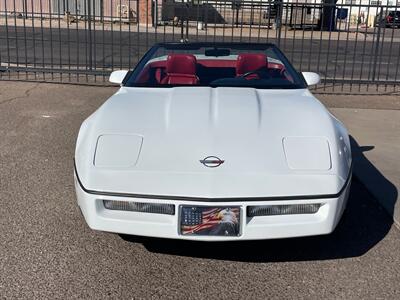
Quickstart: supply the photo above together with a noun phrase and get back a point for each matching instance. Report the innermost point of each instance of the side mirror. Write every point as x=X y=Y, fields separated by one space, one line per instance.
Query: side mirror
x=311 y=78
x=117 y=77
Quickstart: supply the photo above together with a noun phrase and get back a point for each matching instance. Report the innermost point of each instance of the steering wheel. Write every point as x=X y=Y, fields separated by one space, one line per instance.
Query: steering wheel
x=248 y=74
x=261 y=73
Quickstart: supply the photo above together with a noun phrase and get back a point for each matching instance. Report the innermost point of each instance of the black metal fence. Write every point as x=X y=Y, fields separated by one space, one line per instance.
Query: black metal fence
x=352 y=45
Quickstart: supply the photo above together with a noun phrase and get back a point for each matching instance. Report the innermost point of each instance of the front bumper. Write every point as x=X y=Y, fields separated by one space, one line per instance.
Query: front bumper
x=252 y=228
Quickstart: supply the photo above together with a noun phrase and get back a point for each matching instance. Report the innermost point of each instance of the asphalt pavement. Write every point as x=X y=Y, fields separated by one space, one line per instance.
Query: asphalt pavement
x=47 y=250
x=376 y=152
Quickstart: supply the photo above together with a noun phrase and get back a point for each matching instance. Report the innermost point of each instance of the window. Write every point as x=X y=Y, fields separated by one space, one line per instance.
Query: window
x=259 y=66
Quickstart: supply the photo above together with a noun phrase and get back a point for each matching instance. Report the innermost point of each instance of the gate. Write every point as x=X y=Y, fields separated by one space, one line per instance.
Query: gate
x=350 y=44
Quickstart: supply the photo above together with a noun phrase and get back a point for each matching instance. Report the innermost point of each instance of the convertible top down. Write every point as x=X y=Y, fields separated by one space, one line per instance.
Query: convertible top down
x=213 y=141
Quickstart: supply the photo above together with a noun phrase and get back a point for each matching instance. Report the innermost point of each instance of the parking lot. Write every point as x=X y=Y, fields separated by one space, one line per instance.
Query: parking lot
x=47 y=250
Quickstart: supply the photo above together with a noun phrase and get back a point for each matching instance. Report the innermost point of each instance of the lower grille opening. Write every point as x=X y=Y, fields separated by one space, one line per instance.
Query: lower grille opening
x=152 y=208
x=287 y=209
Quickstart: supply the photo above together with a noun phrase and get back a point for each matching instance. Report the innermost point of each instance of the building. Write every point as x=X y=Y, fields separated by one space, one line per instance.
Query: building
x=150 y=12
x=103 y=10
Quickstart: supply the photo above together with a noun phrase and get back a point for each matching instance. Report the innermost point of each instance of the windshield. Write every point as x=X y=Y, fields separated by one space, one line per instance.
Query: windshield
x=260 y=66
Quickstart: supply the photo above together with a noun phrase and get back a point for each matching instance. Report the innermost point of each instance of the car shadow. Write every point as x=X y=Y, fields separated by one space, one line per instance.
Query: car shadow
x=378 y=184
x=363 y=225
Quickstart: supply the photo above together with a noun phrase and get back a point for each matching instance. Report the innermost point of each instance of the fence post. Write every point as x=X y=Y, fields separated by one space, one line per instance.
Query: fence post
x=278 y=21
x=376 y=51
x=89 y=18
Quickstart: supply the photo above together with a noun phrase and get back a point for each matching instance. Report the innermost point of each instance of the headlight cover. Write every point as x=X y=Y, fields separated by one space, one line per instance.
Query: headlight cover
x=307 y=153
x=117 y=151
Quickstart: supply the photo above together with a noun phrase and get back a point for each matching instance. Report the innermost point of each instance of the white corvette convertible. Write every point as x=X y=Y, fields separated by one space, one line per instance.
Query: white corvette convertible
x=213 y=142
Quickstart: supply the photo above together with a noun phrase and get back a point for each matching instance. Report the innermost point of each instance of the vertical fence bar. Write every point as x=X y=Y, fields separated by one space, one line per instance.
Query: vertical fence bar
x=293 y=31
x=24 y=17
x=69 y=42
x=120 y=34
x=51 y=40
x=33 y=38
x=129 y=35
x=251 y=19
x=363 y=51
x=215 y=22
x=354 y=50
x=328 y=46
x=397 y=65
x=389 y=54
x=138 y=32
x=112 y=34
x=147 y=24
x=241 y=24
x=336 y=62
x=103 y=39
x=16 y=39
x=224 y=17
x=232 y=21
x=59 y=40
x=286 y=23
x=259 y=22
x=164 y=31
x=370 y=67
x=42 y=38
x=86 y=35
x=311 y=36
x=381 y=49
x=206 y=20
x=155 y=20
x=320 y=41
x=376 y=51
x=94 y=37
x=77 y=40
x=7 y=40
x=278 y=22
x=277 y=16
x=197 y=20
x=346 y=48
x=302 y=41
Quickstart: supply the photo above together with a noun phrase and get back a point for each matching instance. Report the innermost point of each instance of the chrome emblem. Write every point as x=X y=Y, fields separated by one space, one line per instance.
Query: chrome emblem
x=212 y=161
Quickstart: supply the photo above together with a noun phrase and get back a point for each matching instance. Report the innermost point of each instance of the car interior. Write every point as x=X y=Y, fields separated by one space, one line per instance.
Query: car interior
x=185 y=69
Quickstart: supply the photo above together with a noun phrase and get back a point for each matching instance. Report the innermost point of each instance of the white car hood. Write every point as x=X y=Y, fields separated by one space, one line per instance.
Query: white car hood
x=171 y=129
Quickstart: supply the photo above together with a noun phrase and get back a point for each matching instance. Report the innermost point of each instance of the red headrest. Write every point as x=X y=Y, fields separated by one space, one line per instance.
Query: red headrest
x=181 y=64
x=250 y=62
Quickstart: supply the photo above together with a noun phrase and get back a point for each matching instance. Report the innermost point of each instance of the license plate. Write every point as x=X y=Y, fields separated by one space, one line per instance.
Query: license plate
x=210 y=220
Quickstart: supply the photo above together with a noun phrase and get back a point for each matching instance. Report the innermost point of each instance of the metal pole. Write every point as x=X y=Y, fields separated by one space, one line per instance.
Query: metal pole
x=155 y=18
x=182 y=22
x=376 y=52
x=278 y=22
x=237 y=16
x=26 y=9
x=89 y=18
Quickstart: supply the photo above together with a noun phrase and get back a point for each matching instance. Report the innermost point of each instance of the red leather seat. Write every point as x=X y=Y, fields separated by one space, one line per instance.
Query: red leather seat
x=181 y=69
x=249 y=62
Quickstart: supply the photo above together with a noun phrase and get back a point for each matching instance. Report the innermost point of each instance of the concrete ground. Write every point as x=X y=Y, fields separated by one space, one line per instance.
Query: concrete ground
x=376 y=151
x=374 y=124
x=47 y=250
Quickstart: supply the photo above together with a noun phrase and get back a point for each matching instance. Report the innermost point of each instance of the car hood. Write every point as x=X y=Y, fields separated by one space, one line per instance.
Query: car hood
x=151 y=141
